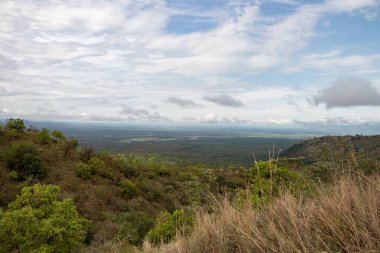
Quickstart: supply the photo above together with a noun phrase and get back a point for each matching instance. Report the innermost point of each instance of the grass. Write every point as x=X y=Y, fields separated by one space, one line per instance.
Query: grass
x=344 y=217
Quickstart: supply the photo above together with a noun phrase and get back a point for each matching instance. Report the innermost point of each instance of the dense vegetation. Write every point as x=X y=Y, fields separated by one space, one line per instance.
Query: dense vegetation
x=118 y=202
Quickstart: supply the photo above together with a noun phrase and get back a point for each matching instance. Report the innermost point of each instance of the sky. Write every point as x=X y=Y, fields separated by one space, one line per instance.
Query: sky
x=273 y=62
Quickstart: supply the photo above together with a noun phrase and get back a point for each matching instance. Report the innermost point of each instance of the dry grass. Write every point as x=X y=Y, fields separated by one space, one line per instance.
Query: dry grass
x=344 y=217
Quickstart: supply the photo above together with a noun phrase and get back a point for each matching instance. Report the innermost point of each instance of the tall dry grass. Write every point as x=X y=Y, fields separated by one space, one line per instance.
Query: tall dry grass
x=344 y=217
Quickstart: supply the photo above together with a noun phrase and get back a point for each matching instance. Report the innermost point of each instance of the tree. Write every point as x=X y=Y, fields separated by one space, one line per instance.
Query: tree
x=17 y=124
x=58 y=135
x=44 y=136
x=168 y=225
x=37 y=221
x=23 y=158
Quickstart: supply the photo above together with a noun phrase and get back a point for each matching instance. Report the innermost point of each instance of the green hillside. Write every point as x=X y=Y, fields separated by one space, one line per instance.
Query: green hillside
x=111 y=191
x=58 y=197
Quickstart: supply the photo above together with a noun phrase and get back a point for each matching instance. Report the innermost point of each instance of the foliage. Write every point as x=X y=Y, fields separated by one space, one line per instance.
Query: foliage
x=11 y=134
x=87 y=153
x=13 y=175
x=96 y=165
x=58 y=135
x=37 y=221
x=128 y=188
x=267 y=180
x=168 y=225
x=43 y=136
x=134 y=225
x=69 y=145
x=16 y=124
x=24 y=158
x=83 y=170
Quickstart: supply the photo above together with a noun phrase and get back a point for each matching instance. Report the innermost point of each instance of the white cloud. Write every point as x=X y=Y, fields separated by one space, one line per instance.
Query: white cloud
x=93 y=55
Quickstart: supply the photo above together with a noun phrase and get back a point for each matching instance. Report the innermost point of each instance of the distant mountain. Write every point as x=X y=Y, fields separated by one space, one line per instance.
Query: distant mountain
x=311 y=149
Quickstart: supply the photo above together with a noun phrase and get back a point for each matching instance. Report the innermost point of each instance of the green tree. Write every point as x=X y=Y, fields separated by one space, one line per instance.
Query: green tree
x=44 y=136
x=17 y=124
x=23 y=157
x=37 y=221
x=58 y=135
x=168 y=225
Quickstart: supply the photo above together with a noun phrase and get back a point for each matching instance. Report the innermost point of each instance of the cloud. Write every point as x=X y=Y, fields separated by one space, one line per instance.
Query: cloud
x=348 y=92
x=88 y=56
x=4 y=111
x=224 y=100
x=207 y=118
x=187 y=103
x=132 y=113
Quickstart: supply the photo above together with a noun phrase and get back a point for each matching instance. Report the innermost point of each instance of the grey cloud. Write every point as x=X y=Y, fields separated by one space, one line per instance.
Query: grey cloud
x=127 y=110
x=348 y=92
x=224 y=100
x=182 y=102
x=141 y=114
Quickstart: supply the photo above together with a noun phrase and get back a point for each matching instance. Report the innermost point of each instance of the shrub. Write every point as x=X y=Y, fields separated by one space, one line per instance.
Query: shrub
x=83 y=170
x=168 y=225
x=44 y=136
x=87 y=153
x=267 y=181
x=16 y=124
x=134 y=226
x=71 y=144
x=96 y=164
x=128 y=188
x=58 y=135
x=24 y=158
x=38 y=222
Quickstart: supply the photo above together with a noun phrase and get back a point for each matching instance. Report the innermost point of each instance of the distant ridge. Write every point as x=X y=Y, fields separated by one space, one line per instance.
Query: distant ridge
x=366 y=145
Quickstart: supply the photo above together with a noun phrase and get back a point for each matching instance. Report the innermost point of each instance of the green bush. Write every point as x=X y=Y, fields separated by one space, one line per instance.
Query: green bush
x=128 y=188
x=16 y=124
x=266 y=181
x=58 y=135
x=44 y=136
x=83 y=170
x=168 y=225
x=13 y=175
x=11 y=134
x=96 y=164
x=23 y=157
x=38 y=222
x=134 y=226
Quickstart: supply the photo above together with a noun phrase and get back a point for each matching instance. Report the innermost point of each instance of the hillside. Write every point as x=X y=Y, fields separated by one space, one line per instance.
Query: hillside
x=313 y=149
x=119 y=189
x=127 y=200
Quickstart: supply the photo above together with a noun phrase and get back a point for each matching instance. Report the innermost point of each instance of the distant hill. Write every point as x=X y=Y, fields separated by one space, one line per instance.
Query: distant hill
x=311 y=149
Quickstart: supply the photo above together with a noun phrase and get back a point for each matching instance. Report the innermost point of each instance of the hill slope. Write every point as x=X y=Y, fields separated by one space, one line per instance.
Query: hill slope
x=315 y=148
